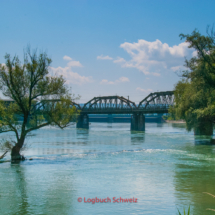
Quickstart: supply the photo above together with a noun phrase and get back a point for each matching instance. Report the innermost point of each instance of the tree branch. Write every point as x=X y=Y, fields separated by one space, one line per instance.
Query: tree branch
x=37 y=127
x=1 y=157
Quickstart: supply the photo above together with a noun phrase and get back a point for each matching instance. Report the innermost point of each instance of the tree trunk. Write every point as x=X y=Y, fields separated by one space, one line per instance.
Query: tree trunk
x=15 y=152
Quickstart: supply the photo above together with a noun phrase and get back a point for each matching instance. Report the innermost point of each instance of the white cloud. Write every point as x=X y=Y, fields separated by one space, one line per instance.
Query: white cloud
x=67 y=57
x=176 y=68
x=155 y=57
x=144 y=90
x=70 y=76
x=195 y=53
x=119 y=60
x=101 y=57
x=105 y=81
x=123 y=79
x=156 y=74
x=120 y=80
x=74 y=63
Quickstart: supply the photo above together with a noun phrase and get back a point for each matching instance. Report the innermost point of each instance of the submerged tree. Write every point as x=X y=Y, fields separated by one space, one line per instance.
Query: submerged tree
x=195 y=93
x=36 y=97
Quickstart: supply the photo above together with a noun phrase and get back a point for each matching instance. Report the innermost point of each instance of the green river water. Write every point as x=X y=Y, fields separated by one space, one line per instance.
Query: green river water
x=164 y=168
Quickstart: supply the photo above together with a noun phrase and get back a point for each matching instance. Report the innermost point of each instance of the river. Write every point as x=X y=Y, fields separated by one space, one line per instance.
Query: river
x=162 y=169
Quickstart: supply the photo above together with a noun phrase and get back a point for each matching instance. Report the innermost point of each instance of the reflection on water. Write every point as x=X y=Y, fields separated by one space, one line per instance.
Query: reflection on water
x=160 y=124
x=109 y=125
x=162 y=167
x=14 y=197
x=37 y=190
x=84 y=132
x=137 y=137
x=20 y=183
x=190 y=185
x=193 y=177
x=203 y=140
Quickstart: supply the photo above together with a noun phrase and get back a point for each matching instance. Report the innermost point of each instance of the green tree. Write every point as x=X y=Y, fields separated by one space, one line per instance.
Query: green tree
x=38 y=98
x=195 y=93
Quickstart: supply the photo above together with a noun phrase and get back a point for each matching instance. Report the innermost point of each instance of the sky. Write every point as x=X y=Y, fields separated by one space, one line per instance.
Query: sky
x=103 y=48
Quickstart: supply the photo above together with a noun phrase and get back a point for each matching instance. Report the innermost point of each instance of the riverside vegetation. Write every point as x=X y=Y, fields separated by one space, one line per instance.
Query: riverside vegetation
x=195 y=93
x=38 y=98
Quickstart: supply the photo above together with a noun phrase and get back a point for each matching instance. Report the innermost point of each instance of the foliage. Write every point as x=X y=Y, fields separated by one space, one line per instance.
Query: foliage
x=7 y=144
x=195 y=93
x=165 y=117
x=36 y=97
x=170 y=116
x=188 y=212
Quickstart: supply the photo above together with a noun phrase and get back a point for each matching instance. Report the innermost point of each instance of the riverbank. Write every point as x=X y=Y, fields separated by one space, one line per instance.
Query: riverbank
x=175 y=121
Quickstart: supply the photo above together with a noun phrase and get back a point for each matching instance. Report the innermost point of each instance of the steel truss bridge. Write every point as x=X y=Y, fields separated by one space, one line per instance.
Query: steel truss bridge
x=158 y=102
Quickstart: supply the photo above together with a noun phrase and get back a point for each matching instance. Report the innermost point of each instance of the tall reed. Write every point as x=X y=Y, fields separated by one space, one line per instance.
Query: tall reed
x=213 y=197
x=188 y=212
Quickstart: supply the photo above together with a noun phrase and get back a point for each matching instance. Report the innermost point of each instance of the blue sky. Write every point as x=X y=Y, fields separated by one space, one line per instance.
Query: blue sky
x=129 y=48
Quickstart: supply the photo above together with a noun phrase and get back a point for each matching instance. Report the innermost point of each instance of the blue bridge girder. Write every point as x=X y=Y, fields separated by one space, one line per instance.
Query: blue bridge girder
x=158 y=102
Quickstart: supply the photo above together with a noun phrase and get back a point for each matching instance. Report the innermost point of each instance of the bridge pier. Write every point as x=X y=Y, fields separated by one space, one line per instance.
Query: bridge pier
x=138 y=122
x=160 y=118
x=83 y=121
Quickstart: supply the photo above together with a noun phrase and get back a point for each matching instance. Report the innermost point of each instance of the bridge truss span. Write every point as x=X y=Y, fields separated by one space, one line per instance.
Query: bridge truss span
x=157 y=101
x=109 y=104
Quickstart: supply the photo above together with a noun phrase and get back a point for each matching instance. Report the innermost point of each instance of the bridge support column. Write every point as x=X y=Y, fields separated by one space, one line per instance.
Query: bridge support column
x=138 y=122
x=160 y=118
x=83 y=121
